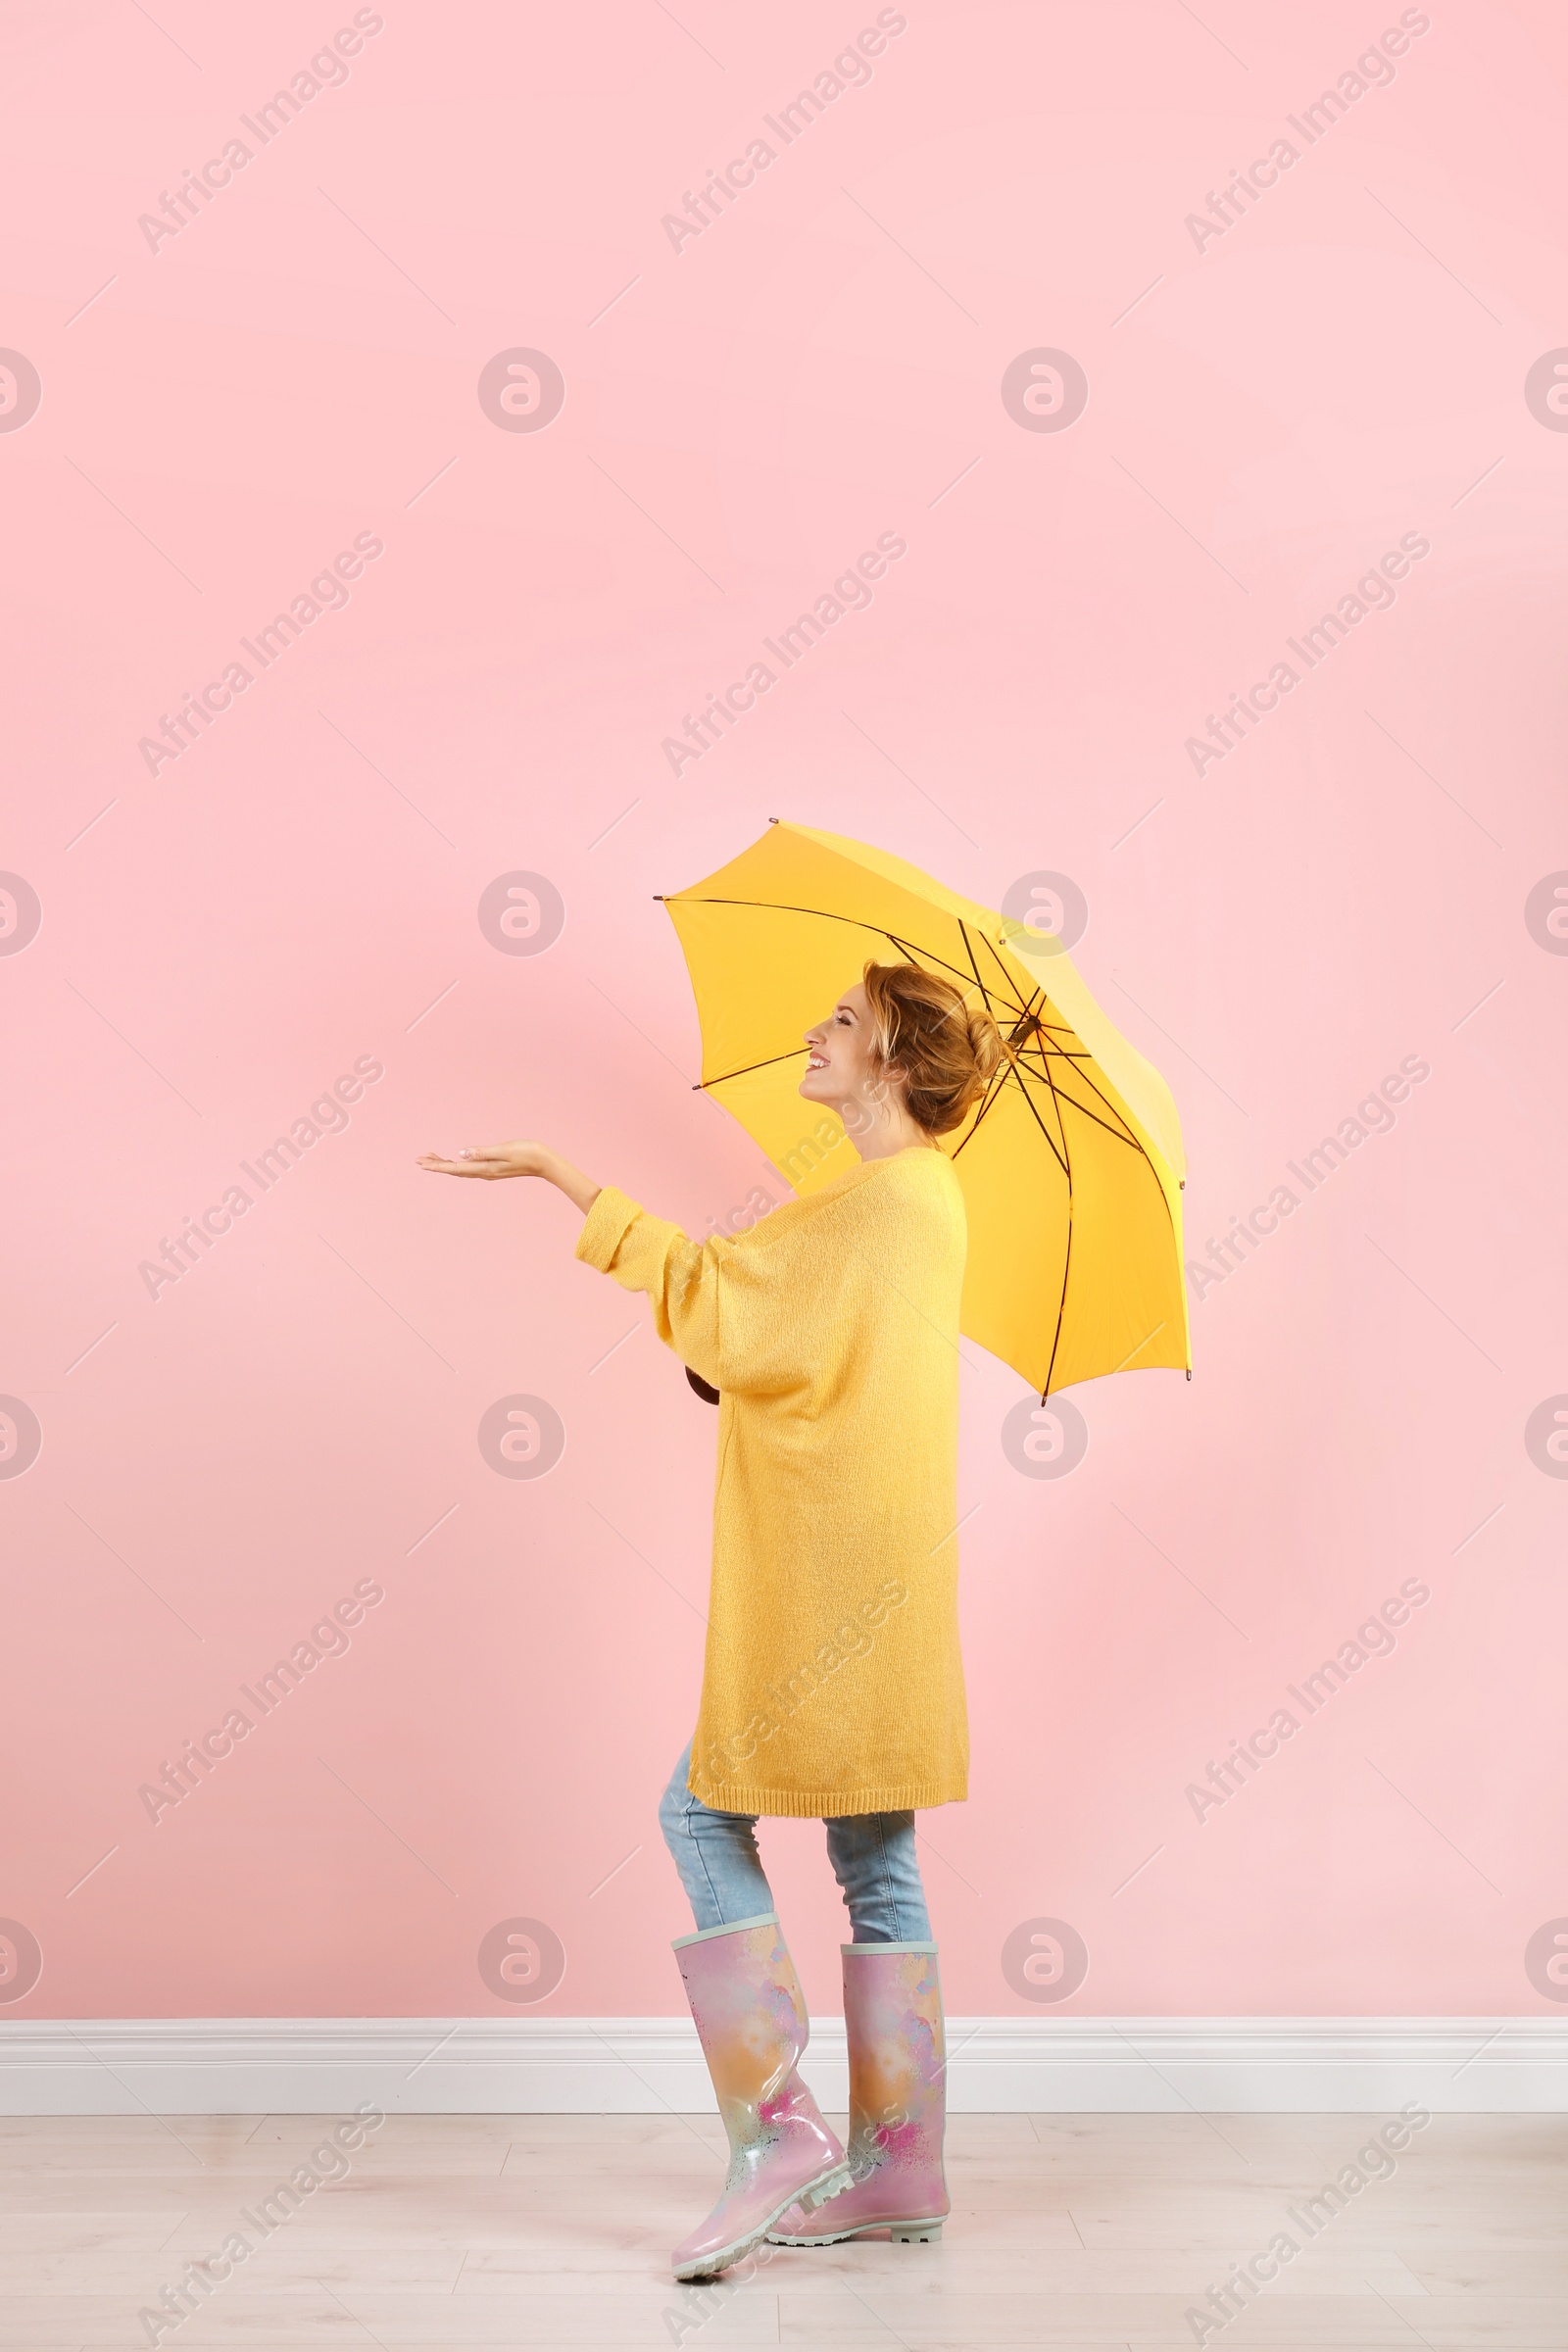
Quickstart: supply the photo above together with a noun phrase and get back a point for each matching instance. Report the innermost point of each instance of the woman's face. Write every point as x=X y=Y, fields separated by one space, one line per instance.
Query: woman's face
x=840 y=1067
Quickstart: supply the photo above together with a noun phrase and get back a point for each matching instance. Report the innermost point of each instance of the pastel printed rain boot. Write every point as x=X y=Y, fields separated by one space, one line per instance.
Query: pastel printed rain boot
x=897 y=2102
x=751 y=2019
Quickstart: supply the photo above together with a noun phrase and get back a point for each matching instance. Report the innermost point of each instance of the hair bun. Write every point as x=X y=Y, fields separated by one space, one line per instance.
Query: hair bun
x=945 y=1061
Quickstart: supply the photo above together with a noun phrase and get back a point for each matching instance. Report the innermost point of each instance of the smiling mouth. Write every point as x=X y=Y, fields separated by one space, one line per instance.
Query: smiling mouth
x=815 y=1061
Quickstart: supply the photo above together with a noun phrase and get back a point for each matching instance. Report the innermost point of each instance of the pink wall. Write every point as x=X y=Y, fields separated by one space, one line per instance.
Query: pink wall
x=1270 y=410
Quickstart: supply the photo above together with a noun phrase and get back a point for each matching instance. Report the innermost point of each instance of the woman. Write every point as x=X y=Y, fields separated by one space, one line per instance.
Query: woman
x=832 y=1685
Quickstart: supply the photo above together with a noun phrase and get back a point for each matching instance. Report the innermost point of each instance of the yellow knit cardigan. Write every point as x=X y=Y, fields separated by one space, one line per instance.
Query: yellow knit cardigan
x=832 y=1681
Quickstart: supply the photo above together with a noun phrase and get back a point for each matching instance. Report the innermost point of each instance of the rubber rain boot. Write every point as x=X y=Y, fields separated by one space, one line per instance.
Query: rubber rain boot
x=751 y=2020
x=898 y=2103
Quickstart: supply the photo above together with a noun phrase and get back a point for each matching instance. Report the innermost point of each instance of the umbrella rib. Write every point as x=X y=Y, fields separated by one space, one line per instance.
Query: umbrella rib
x=821 y=914
x=1142 y=1155
x=1089 y=1081
x=1084 y=1113
x=963 y=932
x=1031 y=1023
x=931 y=955
x=1066 y=1163
x=770 y=1061
x=1048 y=1028
x=1095 y=1120
x=1061 y=1151
x=747 y=1067
x=1001 y=968
x=1010 y=1066
x=992 y=1096
x=1087 y=1056
x=1058 y=1052
x=1039 y=996
x=1062 y=1026
x=1028 y=1019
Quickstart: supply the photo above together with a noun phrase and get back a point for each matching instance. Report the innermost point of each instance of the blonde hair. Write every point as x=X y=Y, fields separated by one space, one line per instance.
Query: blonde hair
x=925 y=1032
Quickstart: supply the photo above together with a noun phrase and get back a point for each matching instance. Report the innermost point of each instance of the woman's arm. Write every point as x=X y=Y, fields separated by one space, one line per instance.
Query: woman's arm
x=492 y=1160
x=682 y=1278
x=642 y=1253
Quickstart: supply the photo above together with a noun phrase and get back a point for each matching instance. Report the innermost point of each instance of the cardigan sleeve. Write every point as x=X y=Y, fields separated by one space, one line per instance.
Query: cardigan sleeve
x=683 y=1279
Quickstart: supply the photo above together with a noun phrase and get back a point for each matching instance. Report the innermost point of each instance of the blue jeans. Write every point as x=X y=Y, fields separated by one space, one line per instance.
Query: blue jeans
x=872 y=1857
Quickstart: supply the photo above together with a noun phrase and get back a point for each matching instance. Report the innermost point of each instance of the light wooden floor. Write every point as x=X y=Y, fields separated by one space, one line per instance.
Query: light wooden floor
x=1066 y=2231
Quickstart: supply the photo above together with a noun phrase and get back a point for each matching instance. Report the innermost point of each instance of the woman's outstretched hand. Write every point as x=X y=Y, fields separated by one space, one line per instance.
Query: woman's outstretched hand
x=492 y=1160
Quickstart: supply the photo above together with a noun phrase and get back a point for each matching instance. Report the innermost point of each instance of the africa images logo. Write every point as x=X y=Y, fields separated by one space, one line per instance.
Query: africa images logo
x=21 y=391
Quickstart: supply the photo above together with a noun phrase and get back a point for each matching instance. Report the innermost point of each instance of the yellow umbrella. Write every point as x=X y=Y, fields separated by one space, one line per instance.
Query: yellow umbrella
x=1071 y=1165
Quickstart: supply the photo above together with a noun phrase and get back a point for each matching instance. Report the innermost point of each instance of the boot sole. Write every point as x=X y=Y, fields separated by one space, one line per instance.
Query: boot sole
x=816 y=2193
x=906 y=2234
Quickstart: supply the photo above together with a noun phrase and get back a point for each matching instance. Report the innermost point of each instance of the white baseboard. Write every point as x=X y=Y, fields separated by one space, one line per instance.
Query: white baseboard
x=641 y=2065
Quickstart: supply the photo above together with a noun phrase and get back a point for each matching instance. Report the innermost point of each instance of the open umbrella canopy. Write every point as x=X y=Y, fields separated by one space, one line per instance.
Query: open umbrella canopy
x=1071 y=1165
